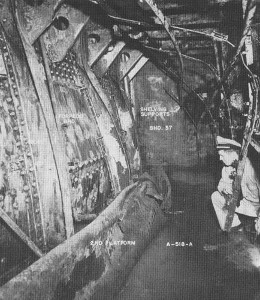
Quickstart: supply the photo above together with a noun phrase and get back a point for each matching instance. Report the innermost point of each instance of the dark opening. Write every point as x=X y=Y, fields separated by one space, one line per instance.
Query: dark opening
x=94 y=38
x=125 y=56
x=61 y=23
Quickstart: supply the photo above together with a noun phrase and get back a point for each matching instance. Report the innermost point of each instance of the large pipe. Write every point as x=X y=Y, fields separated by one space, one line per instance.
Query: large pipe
x=90 y=265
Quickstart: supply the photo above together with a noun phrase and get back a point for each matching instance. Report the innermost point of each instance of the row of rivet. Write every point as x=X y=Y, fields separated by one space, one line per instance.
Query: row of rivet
x=64 y=70
x=80 y=81
x=88 y=172
x=24 y=150
x=76 y=164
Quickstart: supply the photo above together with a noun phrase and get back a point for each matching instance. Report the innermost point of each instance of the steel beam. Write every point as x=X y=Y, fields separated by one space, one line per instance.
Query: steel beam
x=140 y=64
x=2 y=67
x=34 y=19
x=127 y=66
x=98 y=42
x=39 y=79
x=60 y=37
x=104 y=63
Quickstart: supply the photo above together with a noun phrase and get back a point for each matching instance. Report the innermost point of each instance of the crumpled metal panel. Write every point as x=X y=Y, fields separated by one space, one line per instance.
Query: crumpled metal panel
x=111 y=138
x=59 y=40
x=121 y=107
x=35 y=18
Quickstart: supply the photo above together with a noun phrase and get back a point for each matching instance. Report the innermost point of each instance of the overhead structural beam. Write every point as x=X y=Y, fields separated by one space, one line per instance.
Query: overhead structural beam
x=104 y=63
x=140 y=64
x=131 y=59
x=165 y=6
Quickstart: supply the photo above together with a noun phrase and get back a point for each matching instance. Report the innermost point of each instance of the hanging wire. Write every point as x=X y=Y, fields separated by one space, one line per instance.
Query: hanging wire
x=182 y=107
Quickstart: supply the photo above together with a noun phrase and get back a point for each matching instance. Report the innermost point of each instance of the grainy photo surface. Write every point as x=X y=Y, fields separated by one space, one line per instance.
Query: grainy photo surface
x=129 y=149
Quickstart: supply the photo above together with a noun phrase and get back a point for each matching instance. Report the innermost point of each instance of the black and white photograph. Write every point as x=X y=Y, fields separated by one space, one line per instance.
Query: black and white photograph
x=129 y=150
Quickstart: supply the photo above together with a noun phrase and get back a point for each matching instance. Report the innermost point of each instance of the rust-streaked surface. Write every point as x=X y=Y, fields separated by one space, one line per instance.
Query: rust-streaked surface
x=34 y=18
x=87 y=163
x=58 y=39
x=26 y=160
x=110 y=134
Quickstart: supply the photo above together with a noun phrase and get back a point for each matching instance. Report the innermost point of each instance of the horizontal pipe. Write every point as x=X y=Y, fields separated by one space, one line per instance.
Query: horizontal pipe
x=78 y=266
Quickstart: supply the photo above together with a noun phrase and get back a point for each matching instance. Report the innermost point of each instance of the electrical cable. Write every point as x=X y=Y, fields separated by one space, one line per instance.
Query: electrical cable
x=212 y=69
x=156 y=26
x=166 y=26
x=183 y=107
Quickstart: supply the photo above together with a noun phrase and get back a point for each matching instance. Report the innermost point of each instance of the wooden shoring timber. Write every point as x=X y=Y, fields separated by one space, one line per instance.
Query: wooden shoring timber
x=128 y=65
x=14 y=227
x=35 y=19
x=39 y=79
x=104 y=63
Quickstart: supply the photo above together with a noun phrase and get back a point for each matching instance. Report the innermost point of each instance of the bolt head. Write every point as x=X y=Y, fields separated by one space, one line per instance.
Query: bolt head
x=26 y=188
